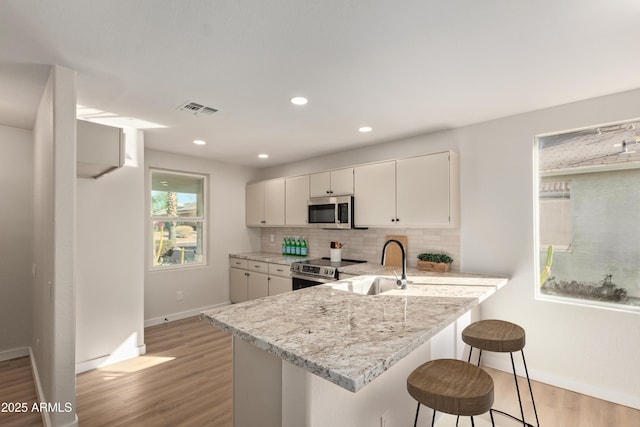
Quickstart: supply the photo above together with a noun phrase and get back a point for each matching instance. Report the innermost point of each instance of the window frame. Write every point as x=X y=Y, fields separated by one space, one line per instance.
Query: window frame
x=537 y=247
x=202 y=219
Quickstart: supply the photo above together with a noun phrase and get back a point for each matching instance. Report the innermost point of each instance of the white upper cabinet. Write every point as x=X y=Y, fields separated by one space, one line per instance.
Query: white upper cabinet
x=427 y=191
x=265 y=203
x=255 y=204
x=421 y=191
x=342 y=182
x=375 y=194
x=332 y=183
x=296 y=200
x=100 y=149
x=320 y=184
x=414 y=192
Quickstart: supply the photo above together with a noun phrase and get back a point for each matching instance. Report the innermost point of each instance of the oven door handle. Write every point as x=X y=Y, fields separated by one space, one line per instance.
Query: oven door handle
x=312 y=278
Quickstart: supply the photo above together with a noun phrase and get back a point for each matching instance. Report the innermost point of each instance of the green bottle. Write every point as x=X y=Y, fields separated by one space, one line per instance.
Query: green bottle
x=284 y=246
x=303 y=247
x=287 y=245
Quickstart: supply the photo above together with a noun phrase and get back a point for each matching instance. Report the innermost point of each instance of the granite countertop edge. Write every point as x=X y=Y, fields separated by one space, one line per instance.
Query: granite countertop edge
x=260 y=333
x=370 y=268
x=353 y=384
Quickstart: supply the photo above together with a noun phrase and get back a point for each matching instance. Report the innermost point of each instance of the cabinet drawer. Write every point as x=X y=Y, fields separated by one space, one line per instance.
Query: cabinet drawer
x=258 y=266
x=279 y=270
x=237 y=263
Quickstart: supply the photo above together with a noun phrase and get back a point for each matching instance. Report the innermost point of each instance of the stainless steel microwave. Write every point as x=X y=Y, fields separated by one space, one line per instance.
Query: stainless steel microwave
x=331 y=212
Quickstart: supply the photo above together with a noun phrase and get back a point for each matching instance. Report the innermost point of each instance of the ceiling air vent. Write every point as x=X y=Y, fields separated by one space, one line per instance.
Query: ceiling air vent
x=196 y=109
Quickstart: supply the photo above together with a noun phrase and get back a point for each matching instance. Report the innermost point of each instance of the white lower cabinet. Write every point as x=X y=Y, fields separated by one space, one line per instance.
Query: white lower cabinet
x=256 y=279
x=258 y=285
x=238 y=284
x=279 y=279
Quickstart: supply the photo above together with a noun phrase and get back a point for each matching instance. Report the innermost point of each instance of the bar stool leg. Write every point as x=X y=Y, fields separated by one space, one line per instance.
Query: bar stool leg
x=433 y=419
x=530 y=389
x=515 y=377
x=415 y=423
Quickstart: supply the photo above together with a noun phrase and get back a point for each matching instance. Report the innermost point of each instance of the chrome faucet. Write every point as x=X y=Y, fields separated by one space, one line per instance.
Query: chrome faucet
x=402 y=282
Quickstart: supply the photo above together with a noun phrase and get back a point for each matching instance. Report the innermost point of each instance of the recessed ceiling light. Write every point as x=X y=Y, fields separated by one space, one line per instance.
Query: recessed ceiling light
x=199 y=142
x=263 y=156
x=365 y=129
x=299 y=100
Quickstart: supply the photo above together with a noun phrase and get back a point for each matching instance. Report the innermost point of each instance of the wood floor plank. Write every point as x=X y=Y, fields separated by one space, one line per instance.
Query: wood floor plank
x=17 y=386
x=190 y=384
x=185 y=379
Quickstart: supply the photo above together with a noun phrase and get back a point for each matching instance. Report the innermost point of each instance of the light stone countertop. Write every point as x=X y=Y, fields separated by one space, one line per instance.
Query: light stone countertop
x=348 y=338
x=449 y=278
x=269 y=257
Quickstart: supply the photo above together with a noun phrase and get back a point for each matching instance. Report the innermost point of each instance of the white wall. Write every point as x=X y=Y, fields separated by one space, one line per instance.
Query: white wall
x=110 y=262
x=589 y=350
x=16 y=172
x=53 y=309
x=209 y=285
x=586 y=349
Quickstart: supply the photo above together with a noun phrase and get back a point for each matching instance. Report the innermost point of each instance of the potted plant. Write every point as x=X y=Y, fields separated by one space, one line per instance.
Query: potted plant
x=434 y=262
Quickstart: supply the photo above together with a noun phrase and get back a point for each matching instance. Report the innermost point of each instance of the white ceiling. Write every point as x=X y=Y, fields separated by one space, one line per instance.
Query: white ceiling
x=403 y=67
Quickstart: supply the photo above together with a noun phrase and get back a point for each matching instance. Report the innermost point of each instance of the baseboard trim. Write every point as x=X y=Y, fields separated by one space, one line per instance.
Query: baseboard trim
x=503 y=363
x=99 y=362
x=182 y=315
x=46 y=418
x=13 y=353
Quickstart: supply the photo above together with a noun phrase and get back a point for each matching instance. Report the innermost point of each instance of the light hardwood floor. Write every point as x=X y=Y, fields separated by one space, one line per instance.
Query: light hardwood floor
x=16 y=387
x=185 y=380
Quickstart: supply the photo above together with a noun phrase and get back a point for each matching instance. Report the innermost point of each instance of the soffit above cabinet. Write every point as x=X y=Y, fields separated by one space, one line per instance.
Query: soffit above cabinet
x=99 y=149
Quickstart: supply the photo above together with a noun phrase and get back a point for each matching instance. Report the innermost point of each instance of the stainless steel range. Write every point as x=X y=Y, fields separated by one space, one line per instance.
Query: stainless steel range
x=317 y=271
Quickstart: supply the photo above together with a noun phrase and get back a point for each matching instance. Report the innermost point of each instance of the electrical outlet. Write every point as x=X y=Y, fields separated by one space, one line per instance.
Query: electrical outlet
x=384 y=419
x=272 y=238
x=179 y=295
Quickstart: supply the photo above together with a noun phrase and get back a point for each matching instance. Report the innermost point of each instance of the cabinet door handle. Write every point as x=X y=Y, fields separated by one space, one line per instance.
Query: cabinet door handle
x=397 y=219
x=247 y=274
x=263 y=222
x=393 y=220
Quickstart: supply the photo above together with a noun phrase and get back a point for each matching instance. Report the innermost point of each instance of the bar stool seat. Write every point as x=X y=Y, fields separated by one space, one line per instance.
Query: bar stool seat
x=451 y=386
x=494 y=335
x=502 y=337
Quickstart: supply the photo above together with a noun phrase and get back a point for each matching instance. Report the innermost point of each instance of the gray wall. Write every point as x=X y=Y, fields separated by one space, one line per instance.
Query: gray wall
x=16 y=172
x=205 y=286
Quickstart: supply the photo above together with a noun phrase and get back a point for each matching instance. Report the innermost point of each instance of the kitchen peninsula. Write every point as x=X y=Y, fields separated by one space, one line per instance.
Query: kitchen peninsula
x=329 y=355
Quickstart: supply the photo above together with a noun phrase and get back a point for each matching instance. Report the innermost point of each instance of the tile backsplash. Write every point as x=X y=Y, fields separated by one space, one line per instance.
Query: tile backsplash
x=367 y=244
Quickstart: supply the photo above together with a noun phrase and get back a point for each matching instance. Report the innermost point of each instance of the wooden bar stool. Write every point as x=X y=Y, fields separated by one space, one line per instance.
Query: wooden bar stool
x=502 y=337
x=451 y=386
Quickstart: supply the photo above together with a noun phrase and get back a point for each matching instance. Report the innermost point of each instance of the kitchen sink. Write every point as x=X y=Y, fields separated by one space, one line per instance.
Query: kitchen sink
x=368 y=285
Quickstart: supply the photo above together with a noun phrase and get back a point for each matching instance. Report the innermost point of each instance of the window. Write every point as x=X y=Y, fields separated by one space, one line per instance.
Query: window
x=178 y=219
x=555 y=214
x=588 y=199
